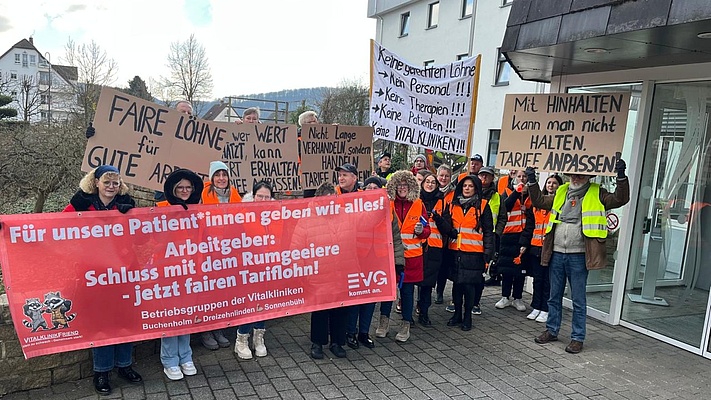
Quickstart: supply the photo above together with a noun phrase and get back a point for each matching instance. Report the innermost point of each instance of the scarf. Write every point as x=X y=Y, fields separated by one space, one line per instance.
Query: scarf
x=430 y=198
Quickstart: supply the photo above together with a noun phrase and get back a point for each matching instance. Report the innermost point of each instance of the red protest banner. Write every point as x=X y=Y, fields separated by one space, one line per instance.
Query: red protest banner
x=78 y=280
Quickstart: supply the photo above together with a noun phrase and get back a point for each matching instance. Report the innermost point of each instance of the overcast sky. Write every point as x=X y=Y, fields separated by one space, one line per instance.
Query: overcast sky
x=253 y=46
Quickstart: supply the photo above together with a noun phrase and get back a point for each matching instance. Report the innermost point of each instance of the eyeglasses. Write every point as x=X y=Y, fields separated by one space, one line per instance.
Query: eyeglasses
x=184 y=188
x=430 y=182
x=111 y=183
x=403 y=186
x=262 y=197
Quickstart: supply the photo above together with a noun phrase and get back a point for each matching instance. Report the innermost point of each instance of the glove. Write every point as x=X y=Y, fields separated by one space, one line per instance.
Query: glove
x=123 y=208
x=531 y=175
x=90 y=131
x=453 y=233
x=419 y=228
x=620 y=167
x=399 y=269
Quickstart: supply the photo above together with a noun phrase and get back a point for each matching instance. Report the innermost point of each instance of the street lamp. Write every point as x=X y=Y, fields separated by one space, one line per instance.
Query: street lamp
x=48 y=57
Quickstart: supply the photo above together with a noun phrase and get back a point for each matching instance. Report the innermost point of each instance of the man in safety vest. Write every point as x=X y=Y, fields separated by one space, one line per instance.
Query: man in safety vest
x=575 y=243
x=499 y=214
x=347 y=179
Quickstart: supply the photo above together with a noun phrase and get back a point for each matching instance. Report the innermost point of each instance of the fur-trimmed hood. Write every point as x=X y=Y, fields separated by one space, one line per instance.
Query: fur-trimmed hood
x=174 y=178
x=460 y=184
x=403 y=177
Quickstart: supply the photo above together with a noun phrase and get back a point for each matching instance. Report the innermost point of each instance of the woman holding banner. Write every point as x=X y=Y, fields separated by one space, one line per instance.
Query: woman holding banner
x=262 y=191
x=181 y=187
x=103 y=189
x=404 y=193
x=218 y=190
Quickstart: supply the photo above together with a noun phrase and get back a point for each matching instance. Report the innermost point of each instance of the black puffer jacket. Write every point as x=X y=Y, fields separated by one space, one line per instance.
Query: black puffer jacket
x=468 y=267
x=511 y=243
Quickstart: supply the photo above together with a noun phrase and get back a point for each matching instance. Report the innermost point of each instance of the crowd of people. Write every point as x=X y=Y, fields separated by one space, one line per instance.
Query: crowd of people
x=462 y=230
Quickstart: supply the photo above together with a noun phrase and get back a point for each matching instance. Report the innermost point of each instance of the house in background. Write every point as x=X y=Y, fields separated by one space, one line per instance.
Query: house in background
x=426 y=32
x=221 y=112
x=41 y=91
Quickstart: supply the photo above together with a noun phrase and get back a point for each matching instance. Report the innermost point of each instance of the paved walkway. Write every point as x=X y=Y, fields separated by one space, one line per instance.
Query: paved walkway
x=497 y=359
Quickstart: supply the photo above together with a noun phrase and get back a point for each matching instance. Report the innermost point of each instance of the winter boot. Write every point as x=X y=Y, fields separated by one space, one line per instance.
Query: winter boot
x=383 y=327
x=208 y=340
x=260 y=350
x=404 y=332
x=467 y=321
x=456 y=319
x=242 y=346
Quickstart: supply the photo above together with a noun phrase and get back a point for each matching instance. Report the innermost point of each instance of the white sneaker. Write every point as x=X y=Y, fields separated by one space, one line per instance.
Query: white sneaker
x=188 y=368
x=542 y=317
x=533 y=314
x=519 y=304
x=503 y=303
x=173 y=373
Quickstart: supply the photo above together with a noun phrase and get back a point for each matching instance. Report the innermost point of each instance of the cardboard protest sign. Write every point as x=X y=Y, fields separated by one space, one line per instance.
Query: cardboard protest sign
x=570 y=133
x=431 y=107
x=326 y=147
x=116 y=278
x=146 y=142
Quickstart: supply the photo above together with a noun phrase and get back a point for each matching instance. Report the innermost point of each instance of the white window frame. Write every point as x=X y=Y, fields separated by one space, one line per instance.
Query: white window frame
x=17 y=58
x=404 y=24
x=502 y=67
x=428 y=63
x=493 y=148
x=465 y=3
x=432 y=19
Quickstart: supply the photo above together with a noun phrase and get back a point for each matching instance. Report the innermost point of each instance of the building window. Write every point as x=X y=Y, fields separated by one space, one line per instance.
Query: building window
x=44 y=78
x=33 y=59
x=404 y=24
x=428 y=63
x=17 y=58
x=24 y=60
x=13 y=75
x=467 y=8
x=493 y=145
x=503 y=69
x=14 y=94
x=462 y=56
x=433 y=15
x=507 y=2
x=45 y=98
x=44 y=115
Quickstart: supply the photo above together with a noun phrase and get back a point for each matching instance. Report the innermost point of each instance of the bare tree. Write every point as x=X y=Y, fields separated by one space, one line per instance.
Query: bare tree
x=30 y=97
x=346 y=104
x=190 y=72
x=163 y=91
x=95 y=69
x=38 y=160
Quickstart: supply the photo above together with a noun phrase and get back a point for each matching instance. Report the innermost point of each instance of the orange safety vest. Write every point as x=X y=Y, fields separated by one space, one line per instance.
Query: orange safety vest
x=503 y=184
x=435 y=238
x=163 y=203
x=469 y=240
x=516 y=218
x=539 y=232
x=211 y=197
x=338 y=190
x=413 y=244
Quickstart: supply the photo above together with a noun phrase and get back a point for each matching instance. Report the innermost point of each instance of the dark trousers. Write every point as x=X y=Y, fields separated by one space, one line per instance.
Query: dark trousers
x=541 y=292
x=478 y=291
x=331 y=322
x=442 y=279
x=425 y=300
x=512 y=281
x=463 y=293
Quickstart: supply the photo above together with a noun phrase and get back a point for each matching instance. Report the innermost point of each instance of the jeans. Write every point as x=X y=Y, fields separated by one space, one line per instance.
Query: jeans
x=386 y=307
x=571 y=267
x=515 y=282
x=175 y=351
x=359 y=318
x=115 y=355
x=407 y=298
x=247 y=328
x=425 y=299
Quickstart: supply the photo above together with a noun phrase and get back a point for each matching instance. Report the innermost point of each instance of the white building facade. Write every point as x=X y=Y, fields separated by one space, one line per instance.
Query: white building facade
x=40 y=91
x=427 y=32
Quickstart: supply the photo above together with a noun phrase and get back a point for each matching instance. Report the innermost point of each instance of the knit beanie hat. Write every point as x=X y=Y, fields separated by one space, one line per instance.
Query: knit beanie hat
x=216 y=166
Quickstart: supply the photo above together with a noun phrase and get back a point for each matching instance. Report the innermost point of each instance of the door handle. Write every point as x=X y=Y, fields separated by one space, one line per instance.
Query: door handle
x=647 y=225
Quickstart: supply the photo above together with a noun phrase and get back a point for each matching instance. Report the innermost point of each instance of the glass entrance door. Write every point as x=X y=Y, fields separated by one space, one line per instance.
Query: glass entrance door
x=669 y=275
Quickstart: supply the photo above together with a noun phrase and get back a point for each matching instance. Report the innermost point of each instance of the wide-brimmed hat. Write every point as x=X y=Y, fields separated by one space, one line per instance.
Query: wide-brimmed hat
x=175 y=177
